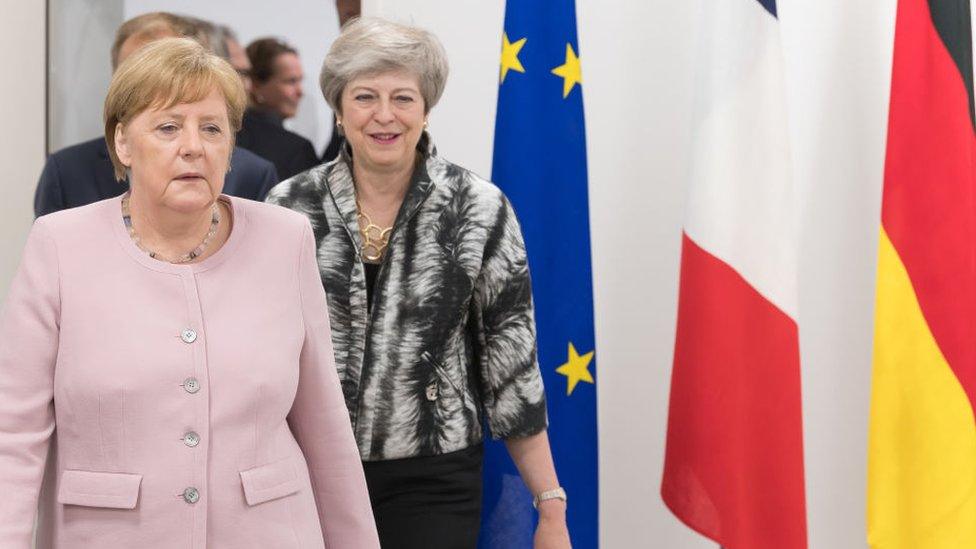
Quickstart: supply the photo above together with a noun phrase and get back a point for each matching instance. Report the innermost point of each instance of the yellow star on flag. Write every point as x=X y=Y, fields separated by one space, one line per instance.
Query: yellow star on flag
x=570 y=71
x=576 y=369
x=510 y=51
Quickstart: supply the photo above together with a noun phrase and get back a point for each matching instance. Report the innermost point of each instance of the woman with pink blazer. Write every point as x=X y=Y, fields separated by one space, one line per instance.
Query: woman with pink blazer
x=174 y=343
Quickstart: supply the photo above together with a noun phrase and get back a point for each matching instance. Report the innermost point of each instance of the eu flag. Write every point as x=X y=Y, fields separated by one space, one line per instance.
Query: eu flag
x=540 y=163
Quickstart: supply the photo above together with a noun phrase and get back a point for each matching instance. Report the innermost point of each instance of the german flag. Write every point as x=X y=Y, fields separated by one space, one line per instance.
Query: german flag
x=922 y=448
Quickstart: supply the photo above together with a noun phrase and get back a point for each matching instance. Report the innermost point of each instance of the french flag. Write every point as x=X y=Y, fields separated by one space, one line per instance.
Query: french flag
x=734 y=459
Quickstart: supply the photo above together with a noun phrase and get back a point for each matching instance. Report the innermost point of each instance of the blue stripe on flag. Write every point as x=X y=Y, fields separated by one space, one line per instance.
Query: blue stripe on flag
x=540 y=163
x=770 y=6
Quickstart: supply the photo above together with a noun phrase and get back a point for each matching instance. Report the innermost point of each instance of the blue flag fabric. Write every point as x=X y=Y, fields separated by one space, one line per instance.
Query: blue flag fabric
x=540 y=163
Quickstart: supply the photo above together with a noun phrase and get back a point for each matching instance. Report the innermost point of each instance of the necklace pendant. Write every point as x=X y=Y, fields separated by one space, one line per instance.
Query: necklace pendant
x=375 y=238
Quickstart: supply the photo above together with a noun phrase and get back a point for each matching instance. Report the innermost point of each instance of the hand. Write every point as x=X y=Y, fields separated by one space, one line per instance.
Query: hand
x=552 y=532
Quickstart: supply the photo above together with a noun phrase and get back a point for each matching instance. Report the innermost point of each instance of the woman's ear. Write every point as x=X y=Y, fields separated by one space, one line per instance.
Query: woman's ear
x=122 y=146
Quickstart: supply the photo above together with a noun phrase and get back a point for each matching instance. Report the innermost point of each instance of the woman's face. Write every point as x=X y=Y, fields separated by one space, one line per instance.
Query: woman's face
x=383 y=118
x=178 y=156
x=282 y=92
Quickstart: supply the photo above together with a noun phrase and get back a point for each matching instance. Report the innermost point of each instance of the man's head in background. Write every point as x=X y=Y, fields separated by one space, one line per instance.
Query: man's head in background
x=149 y=27
x=237 y=56
x=145 y=28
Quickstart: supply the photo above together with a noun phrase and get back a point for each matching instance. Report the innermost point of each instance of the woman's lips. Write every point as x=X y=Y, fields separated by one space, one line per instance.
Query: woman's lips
x=384 y=138
x=189 y=176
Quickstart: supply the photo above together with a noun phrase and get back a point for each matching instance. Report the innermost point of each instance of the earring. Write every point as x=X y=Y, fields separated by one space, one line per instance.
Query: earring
x=339 y=129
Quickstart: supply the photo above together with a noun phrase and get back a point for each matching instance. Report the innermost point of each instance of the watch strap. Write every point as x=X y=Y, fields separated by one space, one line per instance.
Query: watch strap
x=555 y=493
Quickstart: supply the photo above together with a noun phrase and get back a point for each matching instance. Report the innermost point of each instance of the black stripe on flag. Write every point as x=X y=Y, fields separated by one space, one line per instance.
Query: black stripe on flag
x=952 y=21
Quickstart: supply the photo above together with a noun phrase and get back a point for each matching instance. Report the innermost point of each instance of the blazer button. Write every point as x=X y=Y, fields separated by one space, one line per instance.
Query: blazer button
x=191 y=495
x=188 y=336
x=432 y=392
x=191 y=439
x=191 y=385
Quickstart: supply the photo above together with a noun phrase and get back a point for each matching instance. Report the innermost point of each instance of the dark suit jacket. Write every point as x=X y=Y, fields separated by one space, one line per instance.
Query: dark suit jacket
x=263 y=134
x=82 y=174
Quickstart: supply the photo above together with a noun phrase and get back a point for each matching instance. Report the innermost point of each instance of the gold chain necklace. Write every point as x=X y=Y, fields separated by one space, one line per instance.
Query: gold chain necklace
x=185 y=258
x=375 y=238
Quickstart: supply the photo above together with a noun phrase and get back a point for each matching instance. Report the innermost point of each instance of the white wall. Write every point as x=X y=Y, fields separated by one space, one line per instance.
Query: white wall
x=638 y=72
x=79 y=67
x=839 y=75
x=638 y=65
x=22 y=52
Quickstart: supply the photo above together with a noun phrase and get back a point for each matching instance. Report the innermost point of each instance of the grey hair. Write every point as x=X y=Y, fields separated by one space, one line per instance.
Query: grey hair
x=212 y=36
x=228 y=33
x=371 y=45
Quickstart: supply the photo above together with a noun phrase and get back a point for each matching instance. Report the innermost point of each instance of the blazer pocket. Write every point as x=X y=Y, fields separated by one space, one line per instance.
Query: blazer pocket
x=274 y=480
x=93 y=489
x=444 y=376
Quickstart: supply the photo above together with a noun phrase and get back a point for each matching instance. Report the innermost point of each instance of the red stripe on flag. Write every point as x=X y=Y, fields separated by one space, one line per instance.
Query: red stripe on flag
x=929 y=206
x=734 y=460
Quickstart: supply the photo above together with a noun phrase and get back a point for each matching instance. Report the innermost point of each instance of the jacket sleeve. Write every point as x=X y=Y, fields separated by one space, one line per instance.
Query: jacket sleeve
x=48 y=196
x=29 y=331
x=320 y=421
x=511 y=384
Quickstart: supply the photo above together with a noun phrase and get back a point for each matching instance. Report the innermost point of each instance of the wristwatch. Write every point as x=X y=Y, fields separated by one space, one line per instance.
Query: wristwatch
x=556 y=493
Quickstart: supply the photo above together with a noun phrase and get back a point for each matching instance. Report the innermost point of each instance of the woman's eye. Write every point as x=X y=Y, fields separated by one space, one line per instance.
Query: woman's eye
x=404 y=99
x=168 y=128
x=213 y=130
x=363 y=97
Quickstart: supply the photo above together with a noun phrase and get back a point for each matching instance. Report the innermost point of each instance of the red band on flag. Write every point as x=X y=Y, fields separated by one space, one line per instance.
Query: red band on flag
x=734 y=460
x=929 y=207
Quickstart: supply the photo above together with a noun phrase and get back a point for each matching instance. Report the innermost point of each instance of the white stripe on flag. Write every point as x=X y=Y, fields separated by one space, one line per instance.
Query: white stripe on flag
x=740 y=205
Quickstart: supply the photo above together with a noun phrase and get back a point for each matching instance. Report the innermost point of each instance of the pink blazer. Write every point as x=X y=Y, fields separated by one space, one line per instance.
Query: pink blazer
x=192 y=406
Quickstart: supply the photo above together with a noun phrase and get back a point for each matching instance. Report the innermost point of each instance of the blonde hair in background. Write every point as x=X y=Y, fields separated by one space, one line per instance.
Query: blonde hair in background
x=162 y=74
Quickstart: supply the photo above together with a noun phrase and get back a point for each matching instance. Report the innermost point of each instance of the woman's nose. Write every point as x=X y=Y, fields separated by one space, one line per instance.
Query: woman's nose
x=191 y=144
x=384 y=112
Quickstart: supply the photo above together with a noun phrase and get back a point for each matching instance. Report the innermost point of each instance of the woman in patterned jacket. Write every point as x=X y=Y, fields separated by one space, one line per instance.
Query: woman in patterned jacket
x=429 y=297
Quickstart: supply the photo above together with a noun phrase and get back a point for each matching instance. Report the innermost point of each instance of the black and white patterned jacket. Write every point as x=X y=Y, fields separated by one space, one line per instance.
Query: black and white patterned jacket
x=450 y=339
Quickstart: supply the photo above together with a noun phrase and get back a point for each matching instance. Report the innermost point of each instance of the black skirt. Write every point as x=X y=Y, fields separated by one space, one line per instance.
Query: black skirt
x=427 y=502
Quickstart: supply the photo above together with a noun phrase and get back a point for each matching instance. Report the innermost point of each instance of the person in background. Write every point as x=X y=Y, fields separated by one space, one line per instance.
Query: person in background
x=347 y=10
x=210 y=35
x=173 y=345
x=82 y=173
x=276 y=89
x=237 y=57
x=429 y=297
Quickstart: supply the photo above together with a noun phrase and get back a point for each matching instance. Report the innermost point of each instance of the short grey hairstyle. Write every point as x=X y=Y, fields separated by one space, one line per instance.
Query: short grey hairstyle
x=371 y=45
